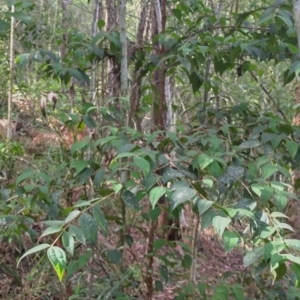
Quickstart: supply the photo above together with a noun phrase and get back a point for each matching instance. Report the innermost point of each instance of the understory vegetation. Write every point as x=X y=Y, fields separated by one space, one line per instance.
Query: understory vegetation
x=149 y=149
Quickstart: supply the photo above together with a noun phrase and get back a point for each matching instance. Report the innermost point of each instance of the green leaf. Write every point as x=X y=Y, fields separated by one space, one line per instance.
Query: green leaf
x=155 y=194
x=114 y=256
x=267 y=231
x=204 y=205
x=293 y=243
x=54 y=222
x=204 y=160
x=130 y=200
x=52 y=229
x=238 y=292
x=57 y=257
x=89 y=228
x=292 y=258
x=284 y=225
x=82 y=203
x=125 y=155
x=296 y=269
x=292 y=148
x=3 y=25
x=89 y=121
x=249 y=144
x=207 y=218
x=79 y=165
x=72 y=215
x=182 y=195
x=105 y=140
x=268 y=170
x=187 y=261
x=78 y=146
x=185 y=63
x=252 y=256
x=77 y=233
x=231 y=239
x=99 y=176
x=68 y=242
x=220 y=223
x=280 y=271
x=79 y=75
x=34 y=250
x=277 y=214
x=196 y=81
x=100 y=219
x=24 y=176
x=143 y=164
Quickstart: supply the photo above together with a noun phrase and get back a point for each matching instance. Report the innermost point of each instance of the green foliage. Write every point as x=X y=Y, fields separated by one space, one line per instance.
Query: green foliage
x=229 y=160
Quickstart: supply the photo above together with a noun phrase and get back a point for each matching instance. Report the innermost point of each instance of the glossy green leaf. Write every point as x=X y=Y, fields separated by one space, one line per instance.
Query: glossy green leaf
x=204 y=160
x=292 y=148
x=187 y=261
x=52 y=229
x=100 y=219
x=89 y=121
x=207 y=218
x=252 y=256
x=79 y=165
x=72 y=216
x=58 y=259
x=24 y=176
x=249 y=144
x=267 y=232
x=231 y=239
x=114 y=256
x=89 y=228
x=181 y=196
x=99 y=176
x=220 y=223
x=238 y=292
x=4 y=25
x=78 y=146
x=77 y=233
x=268 y=170
x=204 y=205
x=68 y=242
x=143 y=164
x=277 y=214
x=130 y=200
x=292 y=258
x=34 y=250
x=155 y=194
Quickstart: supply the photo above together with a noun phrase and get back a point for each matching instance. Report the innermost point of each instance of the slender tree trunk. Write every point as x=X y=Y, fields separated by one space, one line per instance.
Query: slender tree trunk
x=293 y=206
x=64 y=24
x=124 y=51
x=159 y=75
x=113 y=64
x=123 y=93
x=11 y=75
x=134 y=120
x=94 y=32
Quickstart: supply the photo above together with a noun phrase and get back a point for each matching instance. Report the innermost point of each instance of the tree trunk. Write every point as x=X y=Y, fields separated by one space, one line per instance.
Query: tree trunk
x=97 y=9
x=11 y=76
x=293 y=206
x=134 y=119
x=64 y=24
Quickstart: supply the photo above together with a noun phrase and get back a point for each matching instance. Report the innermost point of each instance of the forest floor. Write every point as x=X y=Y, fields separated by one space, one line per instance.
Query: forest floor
x=32 y=280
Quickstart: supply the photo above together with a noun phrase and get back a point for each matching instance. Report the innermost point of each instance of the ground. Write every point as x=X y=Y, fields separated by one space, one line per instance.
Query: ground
x=212 y=263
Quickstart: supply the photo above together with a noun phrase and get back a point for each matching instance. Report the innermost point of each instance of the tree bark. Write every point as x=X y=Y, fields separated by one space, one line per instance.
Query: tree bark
x=64 y=24
x=293 y=207
x=11 y=75
x=134 y=119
